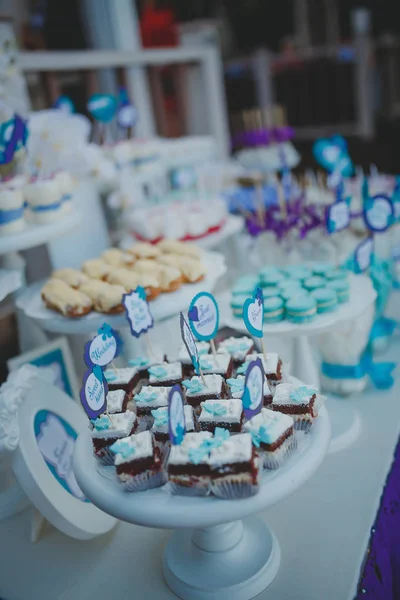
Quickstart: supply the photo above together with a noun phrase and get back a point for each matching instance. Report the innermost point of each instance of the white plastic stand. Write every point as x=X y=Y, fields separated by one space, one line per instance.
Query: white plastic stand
x=220 y=550
x=10 y=281
x=346 y=420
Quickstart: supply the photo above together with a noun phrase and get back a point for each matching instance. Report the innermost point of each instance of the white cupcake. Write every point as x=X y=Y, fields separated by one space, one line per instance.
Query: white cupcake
x=44 y=199
x=11 y=210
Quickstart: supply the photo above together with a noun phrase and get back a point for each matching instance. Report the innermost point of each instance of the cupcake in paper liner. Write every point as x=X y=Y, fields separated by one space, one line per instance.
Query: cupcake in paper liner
x=106 y=431
x=273 y=435
x=344 y=346
x=187 y=466
x=138 y=462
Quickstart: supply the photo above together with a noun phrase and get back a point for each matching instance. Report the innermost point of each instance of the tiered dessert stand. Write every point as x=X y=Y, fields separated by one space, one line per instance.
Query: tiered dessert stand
x=214 y=554
x=345 y=419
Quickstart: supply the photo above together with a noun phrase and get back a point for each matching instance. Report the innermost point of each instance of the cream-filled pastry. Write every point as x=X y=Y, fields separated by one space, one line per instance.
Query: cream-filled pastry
x=106 y=297
x=117 y=258
x=96 y=268
x=144 y=250
x=59 y=296
x=72 y=277
x=181 y=248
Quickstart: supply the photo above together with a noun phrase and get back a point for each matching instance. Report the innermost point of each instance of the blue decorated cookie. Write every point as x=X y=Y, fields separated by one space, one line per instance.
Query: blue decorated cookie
x=320 y=268
x=313 y=283
x=301 y=309
x=326 y=299
x=342 y=289
x=334 y=274
x=274 y=310
x=271 y=278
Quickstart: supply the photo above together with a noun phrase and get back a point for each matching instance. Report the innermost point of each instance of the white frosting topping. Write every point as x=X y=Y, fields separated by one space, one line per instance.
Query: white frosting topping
x=232 y=411
x=238 y=448
x=241 y=379
x=141 y=445
x=276 y=424
x=168 y=275
x=152 y=396
x=105 y=296
x=213 y=385
x=172 y=371
x=124 y=277
x=236 y=347
x=72 y=277
x=179 y=454
x=60 y=295
x=283 y=391
x=147 y=267
x=120 y=376
x=96 y=268
x=218 y=363
x=115 y=400
x=175 y=247
x=116 y=257
x=120 y=425
x=10 y=199
x=144 y=250
x=270 y=365
x=43 y=192
x=202 y=347
x=189 y=421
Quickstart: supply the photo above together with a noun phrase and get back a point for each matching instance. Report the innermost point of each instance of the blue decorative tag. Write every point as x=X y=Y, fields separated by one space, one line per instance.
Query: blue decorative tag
x=94 y=392
x=204 y=316
x=103 y=348
x=13 y=137
x=138 y=311
x=253 y=395
x=102 y=107
x=332 y=154
x=65 y=104
x=176 y=415
x=363 y=255
x=190 y=343
x=337 y=217
x=253 y=313
x=378 y=213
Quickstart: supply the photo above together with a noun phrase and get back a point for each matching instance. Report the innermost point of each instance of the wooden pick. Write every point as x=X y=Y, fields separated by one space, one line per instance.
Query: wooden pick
x=213 y=349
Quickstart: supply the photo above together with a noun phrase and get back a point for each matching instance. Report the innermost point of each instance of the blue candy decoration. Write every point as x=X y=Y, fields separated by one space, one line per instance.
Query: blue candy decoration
x=193 y=386
x=109 y=375
x=332 y=155
x=160 y=416
x=205 y=364
x=140 y=361
x=146 y=397
x=101 y=423
x=123 y=448
x=215 y=409
x=102 y=107
x=242 y=370
x=236 y=385
x=157 y=371
x=302 y=394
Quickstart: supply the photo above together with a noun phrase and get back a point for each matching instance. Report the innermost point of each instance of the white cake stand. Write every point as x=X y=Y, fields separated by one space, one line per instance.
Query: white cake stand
x=10 y=281
x=162 y=308
x=214 y=554
x=345 y=419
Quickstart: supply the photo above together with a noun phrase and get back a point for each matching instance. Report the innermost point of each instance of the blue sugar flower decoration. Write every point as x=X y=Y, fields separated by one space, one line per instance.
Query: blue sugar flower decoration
x=193 y=385
x=242 y=346
x=101 y=423
x=123 y=448
x=146 y=396
x=109 y=375
x=158 y=371
x=217 y=409
x=255 y=437
x=205 y=364
x=197 y=455
x=236 y=385
x=220 y=436
x=139 y=361
x=160 y=416
x=105 y=331
x=242 y=370
x=302 y=394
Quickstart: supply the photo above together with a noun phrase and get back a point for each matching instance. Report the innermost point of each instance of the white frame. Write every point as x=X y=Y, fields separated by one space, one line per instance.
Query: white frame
x=59 y=343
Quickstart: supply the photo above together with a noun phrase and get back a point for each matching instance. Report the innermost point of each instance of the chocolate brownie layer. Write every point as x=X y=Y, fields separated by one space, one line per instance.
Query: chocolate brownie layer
x=278 y=375
x=210 y=426
x=99 y=443
x=278 y=442
x=302 y=409
x=127 y=387
x=135 y=467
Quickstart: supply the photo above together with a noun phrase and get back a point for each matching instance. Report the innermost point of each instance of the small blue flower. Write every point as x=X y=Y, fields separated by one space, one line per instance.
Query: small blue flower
x=236 y=385
x=193 y=385
x=242 y=370
x=197 y=455
x=123 y=448
x=101 y=423
x=205 y=364
x=240 y=347
x=302 y=394
x=160 y=416
x=215 y=409
x=158 y=372
x=220 y=436
x=110 y=375
x=144 y=396
x=139 y=361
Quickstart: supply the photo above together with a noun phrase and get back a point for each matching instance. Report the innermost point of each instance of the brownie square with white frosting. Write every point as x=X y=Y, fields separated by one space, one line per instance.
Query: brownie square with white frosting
x=237 y=347
x=122 y=379
x=117 y=401
x=272 y=365
x=235 y=387
x=273 y=433
x=196 y=391
x=165 y=374
x=149 y=398
x=218 y=364
x=227 y=414
x=301 y=402
x=160 y=425
x=108 y=430
x=137 y=459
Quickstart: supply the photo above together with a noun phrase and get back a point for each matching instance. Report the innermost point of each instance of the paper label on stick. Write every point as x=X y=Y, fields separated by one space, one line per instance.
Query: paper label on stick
x=337 y=217
x=253 y=313
x=94 y=392
x=253 y=395
x=378 y=213
x=138 y=311
x=103 y=348
x=190 y=343
x=204 y=316
x=176 y=415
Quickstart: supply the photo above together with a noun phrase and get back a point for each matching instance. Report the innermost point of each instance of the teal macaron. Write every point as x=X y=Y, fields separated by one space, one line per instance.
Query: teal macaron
x=270 y=292
x=298 y=272
x=274 y=310
x=326 y=299
x=287 y=284
x=320 y=268
x=268 y=270
x=301 y=309
x=243 y=287
x=342 y=289
x=292 y=292
x=313 y=283
x=271 y=278
x=334 y=274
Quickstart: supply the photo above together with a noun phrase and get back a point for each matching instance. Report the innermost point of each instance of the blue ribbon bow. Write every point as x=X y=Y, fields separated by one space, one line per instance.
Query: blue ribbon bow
x=379 y=373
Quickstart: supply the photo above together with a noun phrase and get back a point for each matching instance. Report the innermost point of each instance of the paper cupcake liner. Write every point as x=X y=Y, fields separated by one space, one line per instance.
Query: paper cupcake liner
x=302 y=425
x=164 y=448
x=145 y=423
x=199 y=488
x=144 y=481
x=106 y=457
x=231 y=489
x=273 y=460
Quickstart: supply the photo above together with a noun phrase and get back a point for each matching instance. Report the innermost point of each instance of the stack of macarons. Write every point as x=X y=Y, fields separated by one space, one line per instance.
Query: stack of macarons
x=297 y=292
